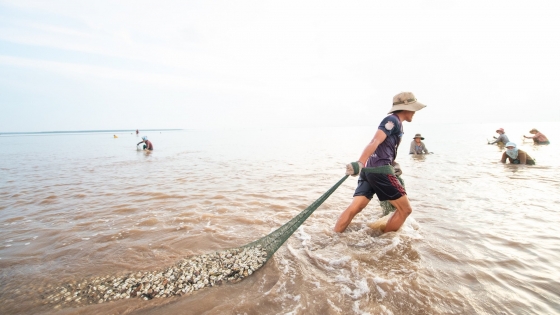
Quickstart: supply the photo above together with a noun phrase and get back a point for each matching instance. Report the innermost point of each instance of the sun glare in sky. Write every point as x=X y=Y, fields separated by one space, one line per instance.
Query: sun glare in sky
x=85 y=65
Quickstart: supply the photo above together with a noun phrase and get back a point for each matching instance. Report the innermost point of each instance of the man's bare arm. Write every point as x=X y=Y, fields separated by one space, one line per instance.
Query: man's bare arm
x=378 y=138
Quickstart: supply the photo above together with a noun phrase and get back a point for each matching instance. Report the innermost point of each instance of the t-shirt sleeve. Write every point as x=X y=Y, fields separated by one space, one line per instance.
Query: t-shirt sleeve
x=390 y=125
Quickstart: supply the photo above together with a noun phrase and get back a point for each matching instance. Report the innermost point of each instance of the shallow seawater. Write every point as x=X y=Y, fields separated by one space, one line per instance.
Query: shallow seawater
x=482 y=239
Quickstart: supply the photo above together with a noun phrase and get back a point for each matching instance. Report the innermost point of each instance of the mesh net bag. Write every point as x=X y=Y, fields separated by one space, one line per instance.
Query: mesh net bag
x=271 y=242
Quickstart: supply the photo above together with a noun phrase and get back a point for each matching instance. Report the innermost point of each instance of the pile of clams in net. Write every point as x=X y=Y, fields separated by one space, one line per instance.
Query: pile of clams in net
x=186 y=276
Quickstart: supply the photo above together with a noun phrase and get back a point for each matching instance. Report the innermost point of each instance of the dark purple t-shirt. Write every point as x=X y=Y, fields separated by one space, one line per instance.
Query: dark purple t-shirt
x=387 y=150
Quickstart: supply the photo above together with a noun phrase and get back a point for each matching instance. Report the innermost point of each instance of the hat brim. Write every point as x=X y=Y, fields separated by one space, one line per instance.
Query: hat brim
x=413 y=107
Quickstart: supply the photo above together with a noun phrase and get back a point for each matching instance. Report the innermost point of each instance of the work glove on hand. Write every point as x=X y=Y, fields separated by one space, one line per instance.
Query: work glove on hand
x=354 y=168
x=397 y=167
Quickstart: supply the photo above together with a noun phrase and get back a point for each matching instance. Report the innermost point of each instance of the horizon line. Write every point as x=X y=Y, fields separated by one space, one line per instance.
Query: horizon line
x=83 y=131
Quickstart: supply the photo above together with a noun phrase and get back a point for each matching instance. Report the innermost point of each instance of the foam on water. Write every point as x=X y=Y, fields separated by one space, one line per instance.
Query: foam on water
x=302 y=236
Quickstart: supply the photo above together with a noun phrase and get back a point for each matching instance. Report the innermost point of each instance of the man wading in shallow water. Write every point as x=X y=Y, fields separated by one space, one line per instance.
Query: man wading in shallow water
x=379 y=174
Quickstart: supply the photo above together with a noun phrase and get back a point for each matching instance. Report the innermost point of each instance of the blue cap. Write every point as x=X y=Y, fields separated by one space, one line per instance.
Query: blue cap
x=144 y=138
x=511 y=144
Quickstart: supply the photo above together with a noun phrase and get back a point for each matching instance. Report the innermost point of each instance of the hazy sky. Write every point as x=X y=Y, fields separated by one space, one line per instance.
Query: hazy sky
x=83 y=65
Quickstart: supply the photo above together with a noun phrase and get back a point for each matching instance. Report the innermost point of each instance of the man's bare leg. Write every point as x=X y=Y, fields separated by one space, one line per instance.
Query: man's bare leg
x=357 y=205
x=403 y=211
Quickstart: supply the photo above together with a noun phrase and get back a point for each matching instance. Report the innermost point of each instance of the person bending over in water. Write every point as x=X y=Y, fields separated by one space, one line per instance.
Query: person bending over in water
x=417 y=146
x=538 y=137
x=501 y=139
x=147 y=143
x=516 y=156
x=379 y=174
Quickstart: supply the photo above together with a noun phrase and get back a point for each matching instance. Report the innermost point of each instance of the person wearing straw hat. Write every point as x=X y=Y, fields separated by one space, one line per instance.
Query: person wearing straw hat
x=379 y=176
x=501 y=139
x=417 y=146
x=516 y=156
x=538 y=137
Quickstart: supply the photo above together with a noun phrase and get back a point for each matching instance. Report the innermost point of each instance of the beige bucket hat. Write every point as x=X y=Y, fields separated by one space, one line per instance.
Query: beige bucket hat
x=406 y=101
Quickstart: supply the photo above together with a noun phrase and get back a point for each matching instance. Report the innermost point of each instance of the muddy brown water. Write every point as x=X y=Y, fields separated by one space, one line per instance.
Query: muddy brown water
x=482 y=239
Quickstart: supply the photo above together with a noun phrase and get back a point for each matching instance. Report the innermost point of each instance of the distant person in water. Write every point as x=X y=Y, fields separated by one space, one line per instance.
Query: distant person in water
x=516 y=156
x=137 y=131
x=501 y=139
x=147 y=143
x=538 y=137
x=417 y=146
